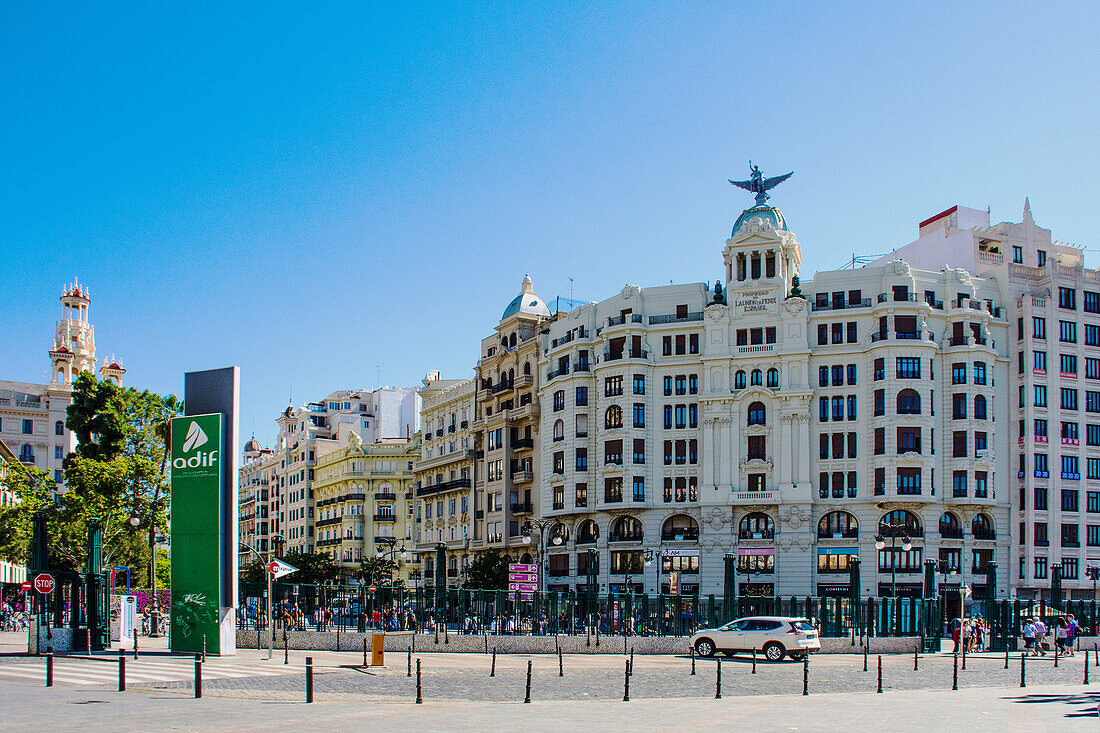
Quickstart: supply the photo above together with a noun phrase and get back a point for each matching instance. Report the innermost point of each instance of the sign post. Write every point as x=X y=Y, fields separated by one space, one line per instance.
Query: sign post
x=275 y=569
x=523 y=578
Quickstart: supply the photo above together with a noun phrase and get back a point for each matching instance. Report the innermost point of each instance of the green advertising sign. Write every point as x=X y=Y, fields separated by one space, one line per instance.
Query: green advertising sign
x=196 y=532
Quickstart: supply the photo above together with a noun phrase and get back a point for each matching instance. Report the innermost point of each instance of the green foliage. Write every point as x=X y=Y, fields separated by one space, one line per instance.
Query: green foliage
x=488 y=571
x=254 y=573
x=117 y=472
x=313 y=568
x=376 y=570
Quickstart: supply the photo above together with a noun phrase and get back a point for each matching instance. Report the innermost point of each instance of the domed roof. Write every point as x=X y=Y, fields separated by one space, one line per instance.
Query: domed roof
x=253 y=446
x=768 y=213
x=527 y=302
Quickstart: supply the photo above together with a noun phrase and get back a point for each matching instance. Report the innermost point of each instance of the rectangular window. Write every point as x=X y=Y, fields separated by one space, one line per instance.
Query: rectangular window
x=1018 y=255
x=1069 y=500
x=1093 y=502
x=639 y=384
x=613 y=386
x=613 y=489
x=1092 y=335
x=1092 y=368
x=1038 y=327
x=582 y=396
x=1091 y=302
x=580 y=497
x=1092 y=401
x=639 y=415
x=1067 y=332
x=639 y=450
x=1067 y=298
x=582 y=459
x=852 y=332
x=958 y=373
x=1069 y=399
x=1092 y=535
x=909 y=480
x=639 y=488
x=908 y=367
x=1040 y=396
x=880 y=441
x=879 y=369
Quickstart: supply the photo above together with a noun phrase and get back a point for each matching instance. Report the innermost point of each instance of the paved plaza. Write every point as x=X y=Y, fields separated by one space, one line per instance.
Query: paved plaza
x=248 y=692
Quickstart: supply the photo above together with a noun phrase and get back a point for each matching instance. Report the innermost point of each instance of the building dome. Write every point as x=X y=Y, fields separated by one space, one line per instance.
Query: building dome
x=253 y=446
x=768 y=213
x=527 y=302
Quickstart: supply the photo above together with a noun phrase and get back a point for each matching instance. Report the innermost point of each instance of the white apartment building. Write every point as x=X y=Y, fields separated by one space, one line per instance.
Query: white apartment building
x=784 y=425
x=1053 y=309
x=305 y=434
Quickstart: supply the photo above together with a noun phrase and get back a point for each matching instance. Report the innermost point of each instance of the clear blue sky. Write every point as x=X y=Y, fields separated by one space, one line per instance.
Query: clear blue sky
x=309 y=192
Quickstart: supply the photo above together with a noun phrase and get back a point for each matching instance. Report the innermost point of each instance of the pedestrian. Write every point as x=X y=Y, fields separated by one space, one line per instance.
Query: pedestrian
x=1071 y=633
x=1061 y=632
x=1040 y=637
x=1029 y=637
x=956 y=634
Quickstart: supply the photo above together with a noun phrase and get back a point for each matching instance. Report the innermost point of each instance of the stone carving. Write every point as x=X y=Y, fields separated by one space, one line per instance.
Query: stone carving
x=716 y=312
x=794 y=515
x=630 y=291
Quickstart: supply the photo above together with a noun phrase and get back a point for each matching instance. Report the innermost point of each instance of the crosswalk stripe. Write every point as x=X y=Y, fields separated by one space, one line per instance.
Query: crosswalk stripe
x=58 y=676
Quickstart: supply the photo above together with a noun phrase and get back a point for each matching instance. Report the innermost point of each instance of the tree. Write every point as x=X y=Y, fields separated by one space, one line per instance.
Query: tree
x=314 y=568
x=117 y=473
x=488 y=571
x=376 y=570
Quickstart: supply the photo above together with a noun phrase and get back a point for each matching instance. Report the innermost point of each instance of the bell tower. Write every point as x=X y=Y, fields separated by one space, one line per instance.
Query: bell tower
x=73 y=349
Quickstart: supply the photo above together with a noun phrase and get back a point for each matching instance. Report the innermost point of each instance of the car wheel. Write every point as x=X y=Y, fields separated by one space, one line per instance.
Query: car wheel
x=704 y=648
x=774 y=651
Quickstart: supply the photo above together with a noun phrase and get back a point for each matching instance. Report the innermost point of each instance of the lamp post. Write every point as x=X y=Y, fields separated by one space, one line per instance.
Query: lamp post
x=906 y=546
x=1093 y=572
x=649 y=556
x=541 y=525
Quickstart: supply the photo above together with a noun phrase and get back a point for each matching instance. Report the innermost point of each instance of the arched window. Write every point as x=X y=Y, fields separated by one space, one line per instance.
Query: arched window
x=559 y=430
x=756 y=526
x=613 y=418
x=773 y=378
x=59 y=428
x=680 y=527
x=756 y=378
x=908 y=402
x=900 y=523
x=626 y=529
x=739 y=380
x=838 y=524
x=950 y=527
x=588 y=532
x=526 y=367
x=982 y=526
x=979 y=408
x=512 y=340
x=559 y=535
x=757 y=414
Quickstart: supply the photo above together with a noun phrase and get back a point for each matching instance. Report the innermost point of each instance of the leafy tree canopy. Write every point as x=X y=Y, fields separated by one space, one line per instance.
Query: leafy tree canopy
x=488 y=571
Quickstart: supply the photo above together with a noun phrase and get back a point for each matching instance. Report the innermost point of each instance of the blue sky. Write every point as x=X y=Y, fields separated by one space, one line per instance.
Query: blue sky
x=311 y=192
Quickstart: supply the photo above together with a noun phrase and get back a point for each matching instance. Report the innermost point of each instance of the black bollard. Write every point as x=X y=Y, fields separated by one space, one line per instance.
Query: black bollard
x=718 y=682
x=866 y=648
x=419 y=698
x=527 y=695
x=692 y=659
x=121 y=671
x=879 y=674
x=1056 y=653
x=624 y=642
x=309 y=679
x=915 y=659
x=964 y=657
x=135 y=644
x=1023 y=666
x=198 y=676
x=561 y=670
x=806 y=674
x=409 y=663
x=49 y=669
x=955 y=673
x=493 y=669
x=1006 y=657
x=597 y=634
x=365 y=664
x=754 y=660
x=626 y=684
x=588 y=633
x=631 y=661
x=286 y=648
x=1086 y=666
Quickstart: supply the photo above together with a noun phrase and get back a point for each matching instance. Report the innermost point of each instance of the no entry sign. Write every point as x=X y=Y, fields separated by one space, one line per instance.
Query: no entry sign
x=26 y=585
x=43 y=583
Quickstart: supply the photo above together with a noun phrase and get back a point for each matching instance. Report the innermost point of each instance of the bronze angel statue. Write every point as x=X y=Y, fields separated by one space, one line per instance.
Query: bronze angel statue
x=759 y=185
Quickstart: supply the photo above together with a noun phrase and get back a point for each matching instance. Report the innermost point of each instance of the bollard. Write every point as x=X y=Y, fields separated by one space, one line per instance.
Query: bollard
x=915 y=662
x=754 y=660
x=409 y=663
x=446 y=634
x=1086 y=666
x=486 y=637
x=631 y=661
x=493 y=669
x=1023 y=666
x=1056 y=652
x=693 y=660
x=198 y=676
x=955 y=673
x=1096 y=652
x=527 y=695
x=597 y=634
x=561 y=670
x=286 y=648
x=879 y=690
x=1006 y=657
x=203 y=647
x=337 y=638
x=806 y=674
x=121 y=671
x=135 y=644
x=309 y=679
x=624 y=642
x=88 y=635
x=626 y=684
x=49 y=669
x=964 y=656
x=718 y=682
x=419 y=698
x=866 y=648
x=588 y=633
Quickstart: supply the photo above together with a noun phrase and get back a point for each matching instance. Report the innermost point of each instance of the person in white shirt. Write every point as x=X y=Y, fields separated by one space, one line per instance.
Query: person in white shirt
x=1040 y=636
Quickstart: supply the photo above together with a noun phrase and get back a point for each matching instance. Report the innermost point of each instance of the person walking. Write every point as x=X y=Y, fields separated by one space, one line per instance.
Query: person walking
x=1061 y=633
x=1040 y=637
x=1029 y=637
x=1071 y=633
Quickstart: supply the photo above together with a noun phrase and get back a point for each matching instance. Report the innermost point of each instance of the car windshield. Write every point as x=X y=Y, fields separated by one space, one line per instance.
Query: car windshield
x=802 y=626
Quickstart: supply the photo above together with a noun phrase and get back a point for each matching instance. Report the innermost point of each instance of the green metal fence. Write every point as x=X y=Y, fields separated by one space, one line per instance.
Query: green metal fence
x=1006 y=619
x=495 y=611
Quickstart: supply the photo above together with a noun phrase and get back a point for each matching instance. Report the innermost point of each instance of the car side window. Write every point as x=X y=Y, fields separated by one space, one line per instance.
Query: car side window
x=734 y=626
x=751 y=625
x=769 y=625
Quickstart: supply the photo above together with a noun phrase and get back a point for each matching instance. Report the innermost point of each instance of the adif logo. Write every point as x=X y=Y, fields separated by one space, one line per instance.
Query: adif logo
x=195 y=438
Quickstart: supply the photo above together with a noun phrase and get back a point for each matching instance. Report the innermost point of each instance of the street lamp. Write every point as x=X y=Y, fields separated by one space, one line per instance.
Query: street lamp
x=541 y=525
x=1093 y=572
x=649 y=556
x=906 y=546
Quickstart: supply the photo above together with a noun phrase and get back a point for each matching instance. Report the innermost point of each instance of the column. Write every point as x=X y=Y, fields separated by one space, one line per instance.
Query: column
x=784 y=454
x=710 y=461
x=724 y=468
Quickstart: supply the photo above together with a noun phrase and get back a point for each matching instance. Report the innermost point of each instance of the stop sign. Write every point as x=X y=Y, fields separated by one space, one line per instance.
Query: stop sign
x=26 y=585
x=43 y=583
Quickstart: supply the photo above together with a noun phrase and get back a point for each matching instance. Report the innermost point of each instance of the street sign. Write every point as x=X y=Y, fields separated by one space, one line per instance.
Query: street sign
x=43 y=583
x=523 y=577
x=26 y=585
x=522 y=568
x=372 y=588
x=278 y=568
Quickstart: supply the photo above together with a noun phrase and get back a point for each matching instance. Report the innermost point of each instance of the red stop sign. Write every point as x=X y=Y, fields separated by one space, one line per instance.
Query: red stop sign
x=43 y=583
x=26 y=585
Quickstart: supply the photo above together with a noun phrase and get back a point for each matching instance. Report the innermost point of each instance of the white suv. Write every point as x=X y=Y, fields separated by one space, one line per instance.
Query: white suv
x=772 y=635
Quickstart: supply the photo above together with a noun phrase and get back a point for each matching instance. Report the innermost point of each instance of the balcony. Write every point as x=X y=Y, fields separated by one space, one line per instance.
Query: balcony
x=458 y=483
x=385 y=496
x=829 y=306
x=523 y=477
x=500 y=387
x=984 y=534
x=521 y=507
x=554 y=373
x=742 y=498
x=673 y=318
x=748 y=534
x=581 y=366
x=379 y=540
x=385 y=518
x=523 y=444
x=679 y=534
x=620 y=320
